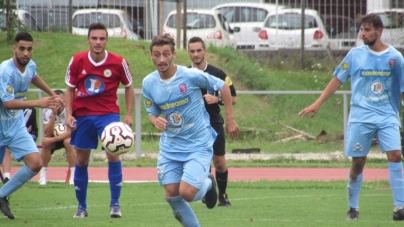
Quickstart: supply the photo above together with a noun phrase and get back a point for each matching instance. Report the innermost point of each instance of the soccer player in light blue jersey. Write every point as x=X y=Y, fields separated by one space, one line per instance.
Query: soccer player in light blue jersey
x=377 y=83
x=174 y=102
x=16 y=74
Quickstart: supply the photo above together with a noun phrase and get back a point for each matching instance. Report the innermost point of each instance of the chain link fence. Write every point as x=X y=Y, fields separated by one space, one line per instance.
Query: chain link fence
x=247 y=25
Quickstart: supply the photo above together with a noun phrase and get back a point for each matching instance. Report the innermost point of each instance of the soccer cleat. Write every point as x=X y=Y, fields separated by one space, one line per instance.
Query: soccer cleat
x=211 y=194
x=81 y=213
x=115 y=211
x=42 y=181
x=5 y=180
x=224 y=201
x=5 y=209
x=352 y=214
x=398 y=215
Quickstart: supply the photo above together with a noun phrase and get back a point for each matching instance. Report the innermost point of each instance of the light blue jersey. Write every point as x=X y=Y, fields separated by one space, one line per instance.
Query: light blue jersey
x=377 y=81
x=13 y=85
x=180 y=101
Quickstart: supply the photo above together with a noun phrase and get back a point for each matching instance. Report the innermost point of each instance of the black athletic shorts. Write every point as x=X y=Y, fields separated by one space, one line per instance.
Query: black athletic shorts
x=58 y=145
x=219 y=147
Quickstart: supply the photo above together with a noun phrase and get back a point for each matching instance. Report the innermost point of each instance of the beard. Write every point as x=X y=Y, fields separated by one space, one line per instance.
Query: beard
x=22 y=63
x=370 y=43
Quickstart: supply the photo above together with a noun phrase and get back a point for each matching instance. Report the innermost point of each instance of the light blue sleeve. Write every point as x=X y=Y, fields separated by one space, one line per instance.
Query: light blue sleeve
x=6 y=87
x=209 y=82
x=400 y=72
x=344 y=69
x=150 y=105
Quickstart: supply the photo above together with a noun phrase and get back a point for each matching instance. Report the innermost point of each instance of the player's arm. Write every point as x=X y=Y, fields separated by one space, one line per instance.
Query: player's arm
x=332 y=86
x=49 y=124
x=129 y=101
x=69 y=98
x=158 y=122
x=231 y=126
x=40 y=83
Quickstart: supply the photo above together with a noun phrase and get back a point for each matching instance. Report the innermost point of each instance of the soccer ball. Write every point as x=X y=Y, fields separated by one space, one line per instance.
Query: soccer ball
x=59 y=129
x=117 y=138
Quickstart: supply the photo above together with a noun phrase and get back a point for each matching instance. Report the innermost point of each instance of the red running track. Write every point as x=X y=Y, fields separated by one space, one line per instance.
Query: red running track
x=140 y=174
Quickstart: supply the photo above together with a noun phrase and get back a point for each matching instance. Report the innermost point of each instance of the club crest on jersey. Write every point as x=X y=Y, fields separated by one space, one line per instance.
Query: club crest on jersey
x=376 y=88
x=10 y=90
x=183 y=88
x=175 y=119
x=107 y=73
x=94 y=85
x=392 y=62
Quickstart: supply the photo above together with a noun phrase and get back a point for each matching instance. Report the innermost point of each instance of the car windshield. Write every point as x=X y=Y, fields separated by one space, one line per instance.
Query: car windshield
x=84 y=20
x=194 y=21
x=392 y=19
x=243 y=14
x=290 y=21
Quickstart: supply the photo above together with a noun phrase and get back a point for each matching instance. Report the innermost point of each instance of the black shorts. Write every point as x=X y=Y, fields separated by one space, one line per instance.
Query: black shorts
x=58 y=145
x=219 y=147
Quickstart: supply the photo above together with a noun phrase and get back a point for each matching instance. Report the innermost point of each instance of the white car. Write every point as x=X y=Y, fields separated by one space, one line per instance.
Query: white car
x=283 y=30
x=24 y=20
x=210 y=25
x=393 y=31
x=116 y=21
x=249 y=18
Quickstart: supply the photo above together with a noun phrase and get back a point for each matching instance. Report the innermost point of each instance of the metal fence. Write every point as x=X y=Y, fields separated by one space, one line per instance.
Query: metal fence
x=139 y=105
x=147 y=18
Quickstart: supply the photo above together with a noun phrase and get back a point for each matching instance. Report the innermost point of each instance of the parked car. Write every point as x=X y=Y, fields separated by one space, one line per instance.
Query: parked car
x=249 y=18
x=23 y=20
x=117 y=22
x=341 y=30
x=50 y=19
x=210 y=25
x=283 y=30
x=393 y=31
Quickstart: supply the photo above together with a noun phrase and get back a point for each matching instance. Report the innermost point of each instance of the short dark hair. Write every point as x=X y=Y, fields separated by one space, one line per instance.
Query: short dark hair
x=96 y=26
x=24 y=36
x=196 y=40
x=58 y=92
x=162 y=40
x=372 y=18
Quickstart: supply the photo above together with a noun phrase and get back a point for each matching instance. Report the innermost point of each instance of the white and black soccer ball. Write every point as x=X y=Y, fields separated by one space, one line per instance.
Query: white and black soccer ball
x=59 y=129
x=117 y=138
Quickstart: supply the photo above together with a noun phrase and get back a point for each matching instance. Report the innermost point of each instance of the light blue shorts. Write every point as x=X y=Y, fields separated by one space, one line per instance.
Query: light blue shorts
x=19 y=145
x=360 y=136
x=89 y=130
x=192 y=167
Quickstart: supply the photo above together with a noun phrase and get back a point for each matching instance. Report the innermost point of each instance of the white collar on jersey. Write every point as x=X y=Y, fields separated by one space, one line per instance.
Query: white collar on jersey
x=98 y=63
x=206 y=66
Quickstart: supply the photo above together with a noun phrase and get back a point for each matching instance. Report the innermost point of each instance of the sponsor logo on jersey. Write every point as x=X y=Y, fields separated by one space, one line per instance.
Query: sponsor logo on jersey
x=175 y=104
x=84 y=72
x=148 y=103
x=94 y=85
x=183 y=88
x=345 y=66
x=375 y=73
x=10 y=90
x=175 y=119
x=392 y=62
x=107 y=73
x=376 y=88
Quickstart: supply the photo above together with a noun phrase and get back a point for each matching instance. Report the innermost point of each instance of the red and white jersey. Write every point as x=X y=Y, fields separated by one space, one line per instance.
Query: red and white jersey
x=96 y=84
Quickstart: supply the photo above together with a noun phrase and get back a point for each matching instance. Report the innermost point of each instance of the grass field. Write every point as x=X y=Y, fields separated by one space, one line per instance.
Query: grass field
x=262 y=203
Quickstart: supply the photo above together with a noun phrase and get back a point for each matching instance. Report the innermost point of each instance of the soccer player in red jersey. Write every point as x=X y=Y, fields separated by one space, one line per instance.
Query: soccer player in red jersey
x=92 y=79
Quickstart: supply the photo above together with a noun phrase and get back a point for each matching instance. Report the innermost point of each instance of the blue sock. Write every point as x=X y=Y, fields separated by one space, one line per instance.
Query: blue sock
x=81 y=184
x=202 y=191
x=397 y=182
x=23 y=175
x=353 y=190
x=115 y=181
x=182 y=211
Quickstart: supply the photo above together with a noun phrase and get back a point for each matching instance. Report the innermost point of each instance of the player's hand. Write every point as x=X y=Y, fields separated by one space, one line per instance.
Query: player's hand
x=29 y=129
x=232 y=128
x=128 y=120
x=160 y=123
x=211 y=99
x=47 y=141
x=71 y=122
x=313 y=108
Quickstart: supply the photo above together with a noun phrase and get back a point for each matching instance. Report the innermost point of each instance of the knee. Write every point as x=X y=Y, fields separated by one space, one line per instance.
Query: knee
x=187 y=196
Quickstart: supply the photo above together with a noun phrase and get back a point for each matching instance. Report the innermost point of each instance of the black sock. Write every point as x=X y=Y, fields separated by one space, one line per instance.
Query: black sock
x=221 y=179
